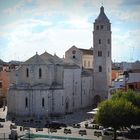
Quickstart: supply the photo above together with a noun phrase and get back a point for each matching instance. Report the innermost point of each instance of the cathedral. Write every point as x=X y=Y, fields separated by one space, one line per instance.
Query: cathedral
x=46 y=85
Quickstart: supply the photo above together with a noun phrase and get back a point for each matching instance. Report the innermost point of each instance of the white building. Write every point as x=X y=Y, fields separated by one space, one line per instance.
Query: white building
x=131 y=80
x=47 y=85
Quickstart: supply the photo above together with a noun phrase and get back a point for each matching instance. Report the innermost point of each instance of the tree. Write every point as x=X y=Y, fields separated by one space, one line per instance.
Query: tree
x=116 y=113
x=132 y=97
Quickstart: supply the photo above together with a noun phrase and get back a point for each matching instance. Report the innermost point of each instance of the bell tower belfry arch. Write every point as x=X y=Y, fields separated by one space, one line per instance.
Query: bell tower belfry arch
x=102 y=55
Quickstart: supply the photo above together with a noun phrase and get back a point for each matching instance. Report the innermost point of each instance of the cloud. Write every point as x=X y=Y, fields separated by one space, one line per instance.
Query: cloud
x=57 y=25
x=23 y=42
x=77 y=23
x=126 y=45
x=129 y=15
x=132 y=3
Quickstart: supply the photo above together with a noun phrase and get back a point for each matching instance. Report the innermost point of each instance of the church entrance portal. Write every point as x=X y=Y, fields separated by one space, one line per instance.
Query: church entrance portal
x=97 y=100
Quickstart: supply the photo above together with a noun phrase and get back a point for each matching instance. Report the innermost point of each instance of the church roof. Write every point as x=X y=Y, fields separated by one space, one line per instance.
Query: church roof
x=36 y=59
x=71 y=66
x=44 y=59
x=57 y=59
x=48 y=58
x=86 y=51
x=102 y=16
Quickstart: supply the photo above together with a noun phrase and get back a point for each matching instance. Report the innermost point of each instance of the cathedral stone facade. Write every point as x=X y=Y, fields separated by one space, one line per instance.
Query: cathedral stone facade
x=46 y=85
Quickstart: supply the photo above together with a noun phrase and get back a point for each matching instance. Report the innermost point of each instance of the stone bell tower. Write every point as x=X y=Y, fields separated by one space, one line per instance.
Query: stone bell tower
x=102 y=57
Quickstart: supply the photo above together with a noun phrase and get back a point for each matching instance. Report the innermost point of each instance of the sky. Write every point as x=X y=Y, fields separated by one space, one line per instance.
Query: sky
x=30 y=26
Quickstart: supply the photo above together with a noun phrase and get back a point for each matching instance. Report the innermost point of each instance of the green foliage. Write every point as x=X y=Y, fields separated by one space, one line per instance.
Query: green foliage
x=116 y=113
x=130 y=96
x=122 y=110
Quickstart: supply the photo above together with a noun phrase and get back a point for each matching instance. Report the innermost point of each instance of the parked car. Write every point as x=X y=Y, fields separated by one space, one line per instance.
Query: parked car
x=67 y=131
x=135 y=130
x=108 y=131
x=90 y=126
x=13 y=126
x=26 y=128
x=95 y=126
x=2 y=120
x=55 y=124
x=25 y=121
x=97 y=133
x=101 y=127
x=53 y=130
x=76 y=125
x=86 y=125
x=132 y=134
x=39 y=129
x=82 y=132
x=119 y=133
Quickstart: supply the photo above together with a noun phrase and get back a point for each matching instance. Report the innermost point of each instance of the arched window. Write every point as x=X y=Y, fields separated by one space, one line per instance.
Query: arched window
x=26 y=102
x=102 y=26
x=74 y=52
x=108 y=41
x=40 y=72
x=97 y=27
x=88 y=63
x=43 y=102
x=99 y=41
x=99 y=53
x=85 y=63
x=27 y=72
x=100 y=68
x=108 y=53
x=73 y=56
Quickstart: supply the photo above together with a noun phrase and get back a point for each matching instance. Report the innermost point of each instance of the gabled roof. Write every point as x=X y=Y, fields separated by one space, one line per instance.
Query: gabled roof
x=102 y=18
x=57 y=59
x=36 y=59
x=72 y=48
x=13 y=62
x=2 y=62
x=48 y=58
x=84 y=51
